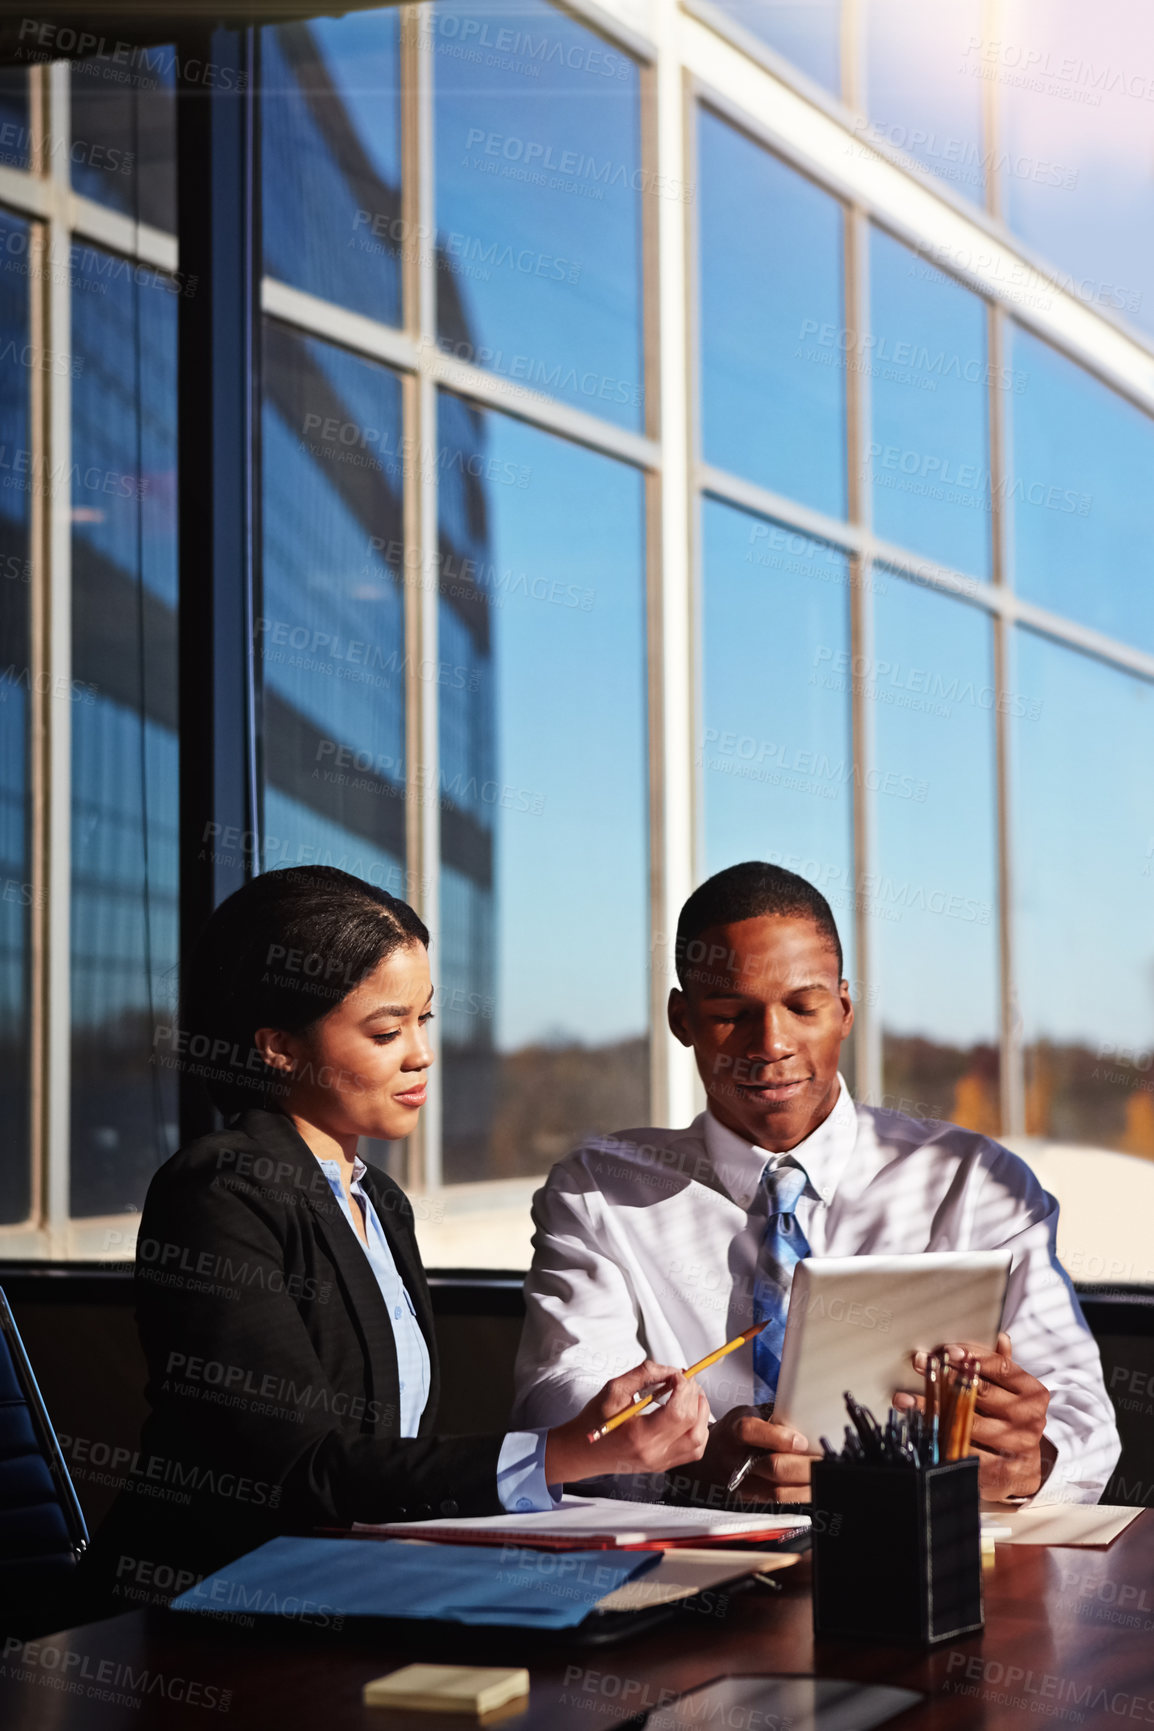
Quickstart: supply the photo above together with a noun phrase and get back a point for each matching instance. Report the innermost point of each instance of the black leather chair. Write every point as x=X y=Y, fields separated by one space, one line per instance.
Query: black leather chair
x=42 y=1527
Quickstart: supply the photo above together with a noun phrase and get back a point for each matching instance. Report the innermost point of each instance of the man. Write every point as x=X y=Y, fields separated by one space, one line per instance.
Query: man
x=664 y=1242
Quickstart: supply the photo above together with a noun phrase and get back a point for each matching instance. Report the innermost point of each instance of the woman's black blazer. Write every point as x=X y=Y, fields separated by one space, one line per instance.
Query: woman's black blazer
x=272 y=1369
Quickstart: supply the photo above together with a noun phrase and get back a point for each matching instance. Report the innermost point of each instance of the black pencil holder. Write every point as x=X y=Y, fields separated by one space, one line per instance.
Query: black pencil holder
x=897 y=1551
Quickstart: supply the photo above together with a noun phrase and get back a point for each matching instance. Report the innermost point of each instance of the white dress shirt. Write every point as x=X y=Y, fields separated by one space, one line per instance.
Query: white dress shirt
x=646 y=1243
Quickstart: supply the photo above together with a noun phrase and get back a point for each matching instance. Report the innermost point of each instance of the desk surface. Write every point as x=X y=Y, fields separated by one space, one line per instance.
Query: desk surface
x=1068 y=1639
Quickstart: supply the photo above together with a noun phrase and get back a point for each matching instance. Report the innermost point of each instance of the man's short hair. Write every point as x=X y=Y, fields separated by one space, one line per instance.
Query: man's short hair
x=747 y=892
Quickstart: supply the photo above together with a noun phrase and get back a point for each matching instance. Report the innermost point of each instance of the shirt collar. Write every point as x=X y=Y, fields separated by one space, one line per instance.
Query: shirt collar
x=822 y=1155
x=332 y=1169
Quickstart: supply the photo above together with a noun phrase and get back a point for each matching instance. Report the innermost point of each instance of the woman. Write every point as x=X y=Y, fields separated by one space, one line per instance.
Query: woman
x=281 y=1301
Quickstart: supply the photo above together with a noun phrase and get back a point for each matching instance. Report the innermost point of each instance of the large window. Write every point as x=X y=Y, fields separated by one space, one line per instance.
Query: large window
x=18 y=682
x=772 y=379
x=929 y=452
x=775 y=749
x=1082 y=458
x=541 y=676
x=452 y=625
x=331 y=159
x=1086 y=962
x=123 y=702
x=649 y=473
x=539 y=233
x=934 y=893
x=330 y=630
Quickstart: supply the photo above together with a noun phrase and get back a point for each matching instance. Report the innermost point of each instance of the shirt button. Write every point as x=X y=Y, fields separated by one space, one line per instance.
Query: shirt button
x=450 y=1507
x=525 y=1505
x=397 y=1313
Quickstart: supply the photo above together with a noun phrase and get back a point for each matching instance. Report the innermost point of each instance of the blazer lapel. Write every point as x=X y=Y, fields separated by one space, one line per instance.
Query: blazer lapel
x=297 y=1168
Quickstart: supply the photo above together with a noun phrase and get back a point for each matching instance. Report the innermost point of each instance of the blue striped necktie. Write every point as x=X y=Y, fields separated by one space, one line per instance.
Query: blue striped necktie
x=782 y=1248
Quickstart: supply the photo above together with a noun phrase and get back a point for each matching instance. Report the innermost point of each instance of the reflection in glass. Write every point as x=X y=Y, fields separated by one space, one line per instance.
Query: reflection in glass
x=772 y=324
x=539 y=200
x=331 y=159
x=330 y=630
x=123 y=149
x=1075 y=85
x=935 y=895
x=124 y=742
x=15 y=694
x=775 y=753
x=541 y=962
x=929 y=383
x=1084 y=877
x=15 y=138
x=922 y=94
x=1081 y=461
x=808 y=32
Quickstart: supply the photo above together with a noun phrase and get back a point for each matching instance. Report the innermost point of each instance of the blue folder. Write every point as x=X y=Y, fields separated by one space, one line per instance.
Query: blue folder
x=321 y=1581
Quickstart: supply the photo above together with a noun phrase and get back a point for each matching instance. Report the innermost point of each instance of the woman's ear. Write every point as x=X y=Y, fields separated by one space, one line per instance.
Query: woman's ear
x=277 y=1048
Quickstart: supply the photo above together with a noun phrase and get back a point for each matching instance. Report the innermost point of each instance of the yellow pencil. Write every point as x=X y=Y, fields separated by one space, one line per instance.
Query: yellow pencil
x=642 y=1401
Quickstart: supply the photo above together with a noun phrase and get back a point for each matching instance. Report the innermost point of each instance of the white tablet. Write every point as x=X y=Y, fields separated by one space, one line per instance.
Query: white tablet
x=854 y=1321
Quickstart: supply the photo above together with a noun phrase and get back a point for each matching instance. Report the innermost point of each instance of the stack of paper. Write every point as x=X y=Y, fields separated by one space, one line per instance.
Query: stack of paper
x=1064 y=1523
x=598 y=1523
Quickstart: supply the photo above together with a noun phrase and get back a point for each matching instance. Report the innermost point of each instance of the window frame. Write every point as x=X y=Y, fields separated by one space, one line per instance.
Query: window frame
x=691 y=56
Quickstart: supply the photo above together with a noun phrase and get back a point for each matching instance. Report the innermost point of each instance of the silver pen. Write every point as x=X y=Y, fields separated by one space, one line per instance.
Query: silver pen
x=743 y=1471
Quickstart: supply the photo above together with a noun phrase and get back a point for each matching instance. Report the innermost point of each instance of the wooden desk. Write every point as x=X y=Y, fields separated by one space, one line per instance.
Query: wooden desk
x=1069 y=1640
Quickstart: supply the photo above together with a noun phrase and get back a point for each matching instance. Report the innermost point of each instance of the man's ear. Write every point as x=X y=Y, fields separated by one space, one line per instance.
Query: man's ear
x=678 y=1017
x=847 y=1010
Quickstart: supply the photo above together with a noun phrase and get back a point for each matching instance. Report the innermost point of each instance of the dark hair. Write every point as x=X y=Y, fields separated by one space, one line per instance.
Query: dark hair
x=747 y=892
x=281 y=952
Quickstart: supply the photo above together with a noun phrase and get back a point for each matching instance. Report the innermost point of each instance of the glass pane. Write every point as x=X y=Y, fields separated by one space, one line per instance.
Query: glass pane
x=1085 y=939
x=772 y=371
x=929 y=454
x=808 y=32
x=330 y=631
x=331 y=159
x=541 y=669
x=775 y=753
x=922 y=94
x=935 y=812
x=1082 y=458
x=1075 y=86
x=539 y=188
x=123 y=149
x=124 y=734
x=16 y=682
x=15 y=138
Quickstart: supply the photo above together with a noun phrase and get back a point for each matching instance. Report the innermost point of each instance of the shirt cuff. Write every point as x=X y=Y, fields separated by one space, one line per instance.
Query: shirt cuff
x=521 y=1483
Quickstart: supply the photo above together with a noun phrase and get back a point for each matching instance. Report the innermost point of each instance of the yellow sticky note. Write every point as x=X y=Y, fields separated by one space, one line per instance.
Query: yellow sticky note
x=475 y=1689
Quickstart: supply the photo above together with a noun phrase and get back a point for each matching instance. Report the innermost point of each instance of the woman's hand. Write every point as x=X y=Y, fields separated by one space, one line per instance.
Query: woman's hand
x=668 y=1436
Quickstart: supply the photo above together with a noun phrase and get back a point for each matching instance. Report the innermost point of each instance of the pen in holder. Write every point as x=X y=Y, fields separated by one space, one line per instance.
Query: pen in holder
x=897 y=1552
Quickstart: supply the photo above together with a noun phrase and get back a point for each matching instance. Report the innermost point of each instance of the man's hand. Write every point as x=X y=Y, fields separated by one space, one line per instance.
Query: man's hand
x=652 y=1442
x=780 y=1474
x=1009 y=1419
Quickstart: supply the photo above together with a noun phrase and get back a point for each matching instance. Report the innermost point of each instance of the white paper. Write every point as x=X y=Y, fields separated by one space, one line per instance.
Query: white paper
x=584 y=1517
x=1067 y=1523
x=681 y=1574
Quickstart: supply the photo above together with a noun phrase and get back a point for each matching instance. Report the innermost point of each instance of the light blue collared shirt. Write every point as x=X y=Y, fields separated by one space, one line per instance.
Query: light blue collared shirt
x=521 y=1484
